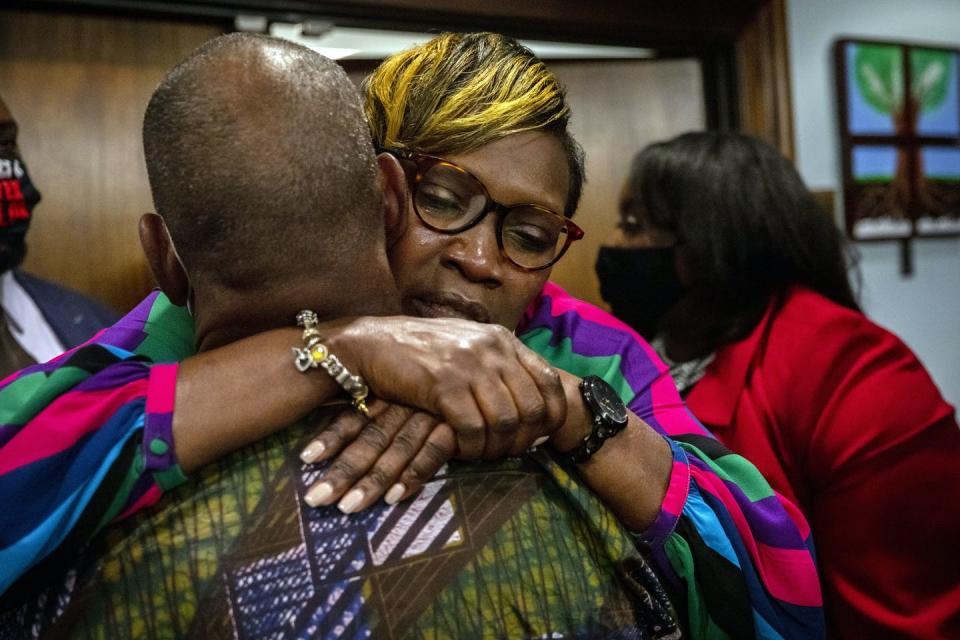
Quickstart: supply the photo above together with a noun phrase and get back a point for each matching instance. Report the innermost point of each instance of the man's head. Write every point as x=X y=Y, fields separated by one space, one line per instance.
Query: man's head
x=261 y=166
x=18 y=196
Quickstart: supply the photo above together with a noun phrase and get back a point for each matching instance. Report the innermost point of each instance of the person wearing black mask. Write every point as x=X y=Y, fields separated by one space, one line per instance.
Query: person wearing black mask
x=637 y=258
x=643 y=276
x=724 y=258
x=38 y=319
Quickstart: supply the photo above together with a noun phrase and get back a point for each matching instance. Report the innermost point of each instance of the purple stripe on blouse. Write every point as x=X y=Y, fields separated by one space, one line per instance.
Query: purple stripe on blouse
x=7 y=431
x=666 y=520
x=766 y=516
x=158 y=426
x=128 y=333
x=115 y=376
x=45 y=367
x=593 y=340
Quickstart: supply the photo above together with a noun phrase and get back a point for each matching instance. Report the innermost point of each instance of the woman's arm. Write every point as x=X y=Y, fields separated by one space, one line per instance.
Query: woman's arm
x=739 y=554
x=478 y=378
x=630 y=472
x=94 y=435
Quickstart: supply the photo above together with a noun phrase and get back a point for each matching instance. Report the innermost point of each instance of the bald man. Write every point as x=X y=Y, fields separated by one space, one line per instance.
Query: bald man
x=271 y=200
x=38 y=319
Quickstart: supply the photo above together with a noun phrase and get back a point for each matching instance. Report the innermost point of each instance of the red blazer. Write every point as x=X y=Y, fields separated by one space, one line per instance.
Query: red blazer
x=842 y=418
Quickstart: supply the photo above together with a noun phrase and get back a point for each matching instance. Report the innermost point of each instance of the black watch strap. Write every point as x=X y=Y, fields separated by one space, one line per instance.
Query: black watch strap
x=609 y=418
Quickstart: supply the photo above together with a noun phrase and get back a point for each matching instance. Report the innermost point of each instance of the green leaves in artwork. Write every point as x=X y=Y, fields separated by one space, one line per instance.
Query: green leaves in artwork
x=930 y=74
x=879 y=73
x=878 y=69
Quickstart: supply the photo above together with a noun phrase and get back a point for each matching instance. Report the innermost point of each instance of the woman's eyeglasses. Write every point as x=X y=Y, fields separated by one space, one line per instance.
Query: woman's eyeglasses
x=449 y=199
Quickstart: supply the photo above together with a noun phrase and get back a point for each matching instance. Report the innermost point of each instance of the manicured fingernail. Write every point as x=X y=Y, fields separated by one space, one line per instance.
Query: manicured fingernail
x=396 y=492
x=313 y=451
x=319 y=494
x=351 y=501
x=539 y=441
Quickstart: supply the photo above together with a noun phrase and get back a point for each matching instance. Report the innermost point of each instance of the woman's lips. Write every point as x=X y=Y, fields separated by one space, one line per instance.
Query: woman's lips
x=448 y=305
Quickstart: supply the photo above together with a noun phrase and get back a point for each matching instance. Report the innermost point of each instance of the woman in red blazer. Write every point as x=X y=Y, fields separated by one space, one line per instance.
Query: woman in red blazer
x=725 y=261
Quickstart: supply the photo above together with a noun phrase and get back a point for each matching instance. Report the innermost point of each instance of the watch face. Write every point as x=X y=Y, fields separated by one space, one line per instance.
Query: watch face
x=607 y=404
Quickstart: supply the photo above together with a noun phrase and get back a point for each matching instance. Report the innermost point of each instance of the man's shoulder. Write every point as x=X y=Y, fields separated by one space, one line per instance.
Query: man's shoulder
x=479 y=537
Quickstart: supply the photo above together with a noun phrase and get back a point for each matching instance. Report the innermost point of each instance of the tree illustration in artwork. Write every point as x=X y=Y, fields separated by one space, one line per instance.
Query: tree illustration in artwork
x=878 y=70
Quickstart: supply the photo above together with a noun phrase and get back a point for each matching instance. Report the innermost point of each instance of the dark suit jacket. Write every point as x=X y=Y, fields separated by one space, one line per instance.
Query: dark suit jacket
x=73 y=317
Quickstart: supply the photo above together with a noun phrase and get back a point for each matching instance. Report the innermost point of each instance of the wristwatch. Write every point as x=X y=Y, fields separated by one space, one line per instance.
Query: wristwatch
x=609 y=417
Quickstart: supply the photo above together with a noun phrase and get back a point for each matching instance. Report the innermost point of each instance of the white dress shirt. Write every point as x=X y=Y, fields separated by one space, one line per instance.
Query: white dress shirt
x=27 y=325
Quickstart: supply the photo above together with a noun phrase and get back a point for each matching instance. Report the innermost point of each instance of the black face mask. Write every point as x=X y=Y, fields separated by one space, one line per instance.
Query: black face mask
x=640 y=284
x=18 y=197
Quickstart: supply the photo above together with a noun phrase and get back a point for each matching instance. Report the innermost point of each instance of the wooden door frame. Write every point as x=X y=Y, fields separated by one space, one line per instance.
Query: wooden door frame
x=763 y=77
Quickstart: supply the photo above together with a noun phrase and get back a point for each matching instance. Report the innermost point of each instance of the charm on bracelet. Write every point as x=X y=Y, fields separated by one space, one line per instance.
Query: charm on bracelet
x=315 y=354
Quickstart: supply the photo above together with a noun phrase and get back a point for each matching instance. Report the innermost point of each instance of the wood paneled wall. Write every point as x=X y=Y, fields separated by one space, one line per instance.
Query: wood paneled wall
x=78 y=87
x=618 y=108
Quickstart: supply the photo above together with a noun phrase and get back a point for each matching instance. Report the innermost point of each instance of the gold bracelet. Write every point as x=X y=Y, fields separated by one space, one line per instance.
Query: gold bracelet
x=315 y=354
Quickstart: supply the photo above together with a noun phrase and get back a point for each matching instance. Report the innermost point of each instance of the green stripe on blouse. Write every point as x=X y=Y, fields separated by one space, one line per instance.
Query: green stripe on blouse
x=169 y=333
x=33 y=392
x=735 y=469
x=562 y=356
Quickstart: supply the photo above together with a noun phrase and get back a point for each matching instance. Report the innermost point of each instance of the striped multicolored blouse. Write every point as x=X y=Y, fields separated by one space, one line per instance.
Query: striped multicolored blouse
x=85 y=440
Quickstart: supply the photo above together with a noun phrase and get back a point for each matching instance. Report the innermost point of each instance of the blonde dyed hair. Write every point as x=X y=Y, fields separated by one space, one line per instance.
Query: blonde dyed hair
x=459 y=92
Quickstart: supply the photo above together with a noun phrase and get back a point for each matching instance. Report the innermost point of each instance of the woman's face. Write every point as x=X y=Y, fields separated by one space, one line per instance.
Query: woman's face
x=633 y=230
x=465 y=275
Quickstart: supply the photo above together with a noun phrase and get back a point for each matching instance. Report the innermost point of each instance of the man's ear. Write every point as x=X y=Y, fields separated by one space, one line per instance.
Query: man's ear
x=163 y=260
x=394 y=184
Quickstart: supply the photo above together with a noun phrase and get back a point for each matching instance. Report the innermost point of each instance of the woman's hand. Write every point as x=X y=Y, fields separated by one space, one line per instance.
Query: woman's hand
x=478 y=377
x=392 y=455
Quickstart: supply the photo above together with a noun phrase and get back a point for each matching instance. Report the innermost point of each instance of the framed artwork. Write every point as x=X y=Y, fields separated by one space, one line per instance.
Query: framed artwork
x=899 y=115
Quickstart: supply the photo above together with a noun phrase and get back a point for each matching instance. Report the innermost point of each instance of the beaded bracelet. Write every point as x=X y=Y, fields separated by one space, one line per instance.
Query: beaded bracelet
x=315 y=354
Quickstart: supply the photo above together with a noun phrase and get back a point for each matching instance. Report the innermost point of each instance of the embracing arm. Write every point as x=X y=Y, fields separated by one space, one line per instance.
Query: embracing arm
x=94 y=436
x=736 y=553
x=240 y=393
x=630 y=472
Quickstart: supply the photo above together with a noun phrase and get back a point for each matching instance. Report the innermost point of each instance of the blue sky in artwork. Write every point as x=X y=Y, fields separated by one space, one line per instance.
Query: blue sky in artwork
x=864 y=119
x=945 y=121
x=874 y=162
x=941 y=162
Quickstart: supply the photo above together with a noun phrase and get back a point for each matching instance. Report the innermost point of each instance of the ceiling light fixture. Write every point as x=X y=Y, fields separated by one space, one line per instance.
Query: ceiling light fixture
x=377 y=44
